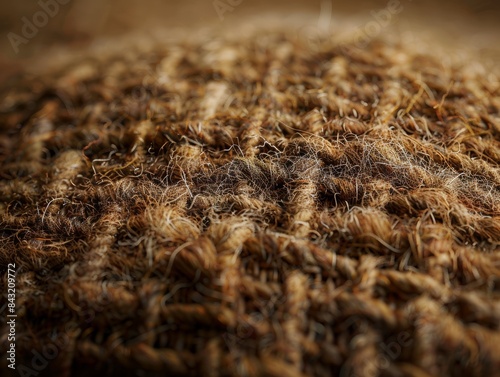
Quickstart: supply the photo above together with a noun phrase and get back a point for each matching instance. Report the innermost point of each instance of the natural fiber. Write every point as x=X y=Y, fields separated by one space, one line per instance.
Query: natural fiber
x=254 y=207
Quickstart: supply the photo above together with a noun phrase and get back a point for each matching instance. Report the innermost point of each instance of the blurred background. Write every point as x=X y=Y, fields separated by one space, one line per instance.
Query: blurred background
x=76 y=24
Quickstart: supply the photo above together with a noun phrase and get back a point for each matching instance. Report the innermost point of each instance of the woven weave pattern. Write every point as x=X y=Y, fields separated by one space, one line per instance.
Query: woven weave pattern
x=255 y=208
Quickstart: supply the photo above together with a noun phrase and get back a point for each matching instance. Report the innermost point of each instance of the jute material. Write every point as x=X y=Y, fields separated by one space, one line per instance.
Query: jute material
x=254 y=207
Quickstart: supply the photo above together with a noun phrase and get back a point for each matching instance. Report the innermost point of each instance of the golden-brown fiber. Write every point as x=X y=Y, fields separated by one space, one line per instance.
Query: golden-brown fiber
x=255 y=208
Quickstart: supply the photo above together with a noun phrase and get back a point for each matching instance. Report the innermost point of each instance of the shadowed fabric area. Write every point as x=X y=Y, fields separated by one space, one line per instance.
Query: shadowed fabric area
x=255 y=206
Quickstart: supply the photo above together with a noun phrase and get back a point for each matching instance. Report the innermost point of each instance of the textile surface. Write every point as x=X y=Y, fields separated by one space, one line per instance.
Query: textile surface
x=255 y=206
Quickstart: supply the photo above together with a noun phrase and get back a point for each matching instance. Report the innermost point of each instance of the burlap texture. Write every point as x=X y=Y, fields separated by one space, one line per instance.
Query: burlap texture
x=256 y=206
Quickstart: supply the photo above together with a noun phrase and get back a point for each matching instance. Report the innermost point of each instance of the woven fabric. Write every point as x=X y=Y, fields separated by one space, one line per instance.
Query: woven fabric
x=254 y=207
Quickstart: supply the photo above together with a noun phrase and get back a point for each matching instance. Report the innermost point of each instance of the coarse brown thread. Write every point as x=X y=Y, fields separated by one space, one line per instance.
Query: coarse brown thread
x=255 y=208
